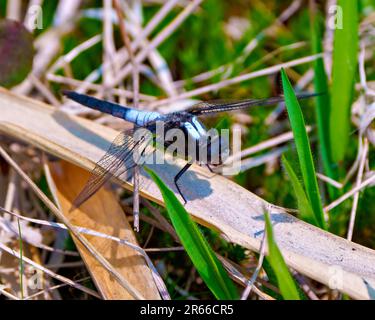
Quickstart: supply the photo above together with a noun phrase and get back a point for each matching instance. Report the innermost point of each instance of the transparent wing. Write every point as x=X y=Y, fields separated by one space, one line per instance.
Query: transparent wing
x=123 y=155
x=216 y=106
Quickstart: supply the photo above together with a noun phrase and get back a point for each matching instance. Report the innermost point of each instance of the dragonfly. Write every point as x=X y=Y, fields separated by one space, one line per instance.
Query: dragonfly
x=119 y=158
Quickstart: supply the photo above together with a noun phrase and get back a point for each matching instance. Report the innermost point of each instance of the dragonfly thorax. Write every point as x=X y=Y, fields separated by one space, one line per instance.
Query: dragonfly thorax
x=198 y=144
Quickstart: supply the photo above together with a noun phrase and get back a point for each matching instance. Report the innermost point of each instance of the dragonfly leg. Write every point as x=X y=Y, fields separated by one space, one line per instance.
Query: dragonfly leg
x=209 y=168
x=178 y=176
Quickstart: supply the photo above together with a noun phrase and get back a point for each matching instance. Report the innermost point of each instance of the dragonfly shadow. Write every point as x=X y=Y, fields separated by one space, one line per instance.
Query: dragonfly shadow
x=190 y=184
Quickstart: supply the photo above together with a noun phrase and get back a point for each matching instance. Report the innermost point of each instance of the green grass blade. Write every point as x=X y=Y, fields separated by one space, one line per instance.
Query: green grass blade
x=344 y=67
x=201 y=254
x=303 y=149
x=323 y=103
x=305 y=210
x=285 y=280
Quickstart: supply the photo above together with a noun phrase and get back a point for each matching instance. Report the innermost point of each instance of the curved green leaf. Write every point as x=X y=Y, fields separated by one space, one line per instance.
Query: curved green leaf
x=323 y=102
x=287 y=286
x=201 y=254
x=305 y=210
x=345 y=49
x=303 y=149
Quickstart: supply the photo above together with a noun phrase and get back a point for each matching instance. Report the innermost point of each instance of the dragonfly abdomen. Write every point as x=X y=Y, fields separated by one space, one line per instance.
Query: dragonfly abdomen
x=137 y=117
x=100 y=105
